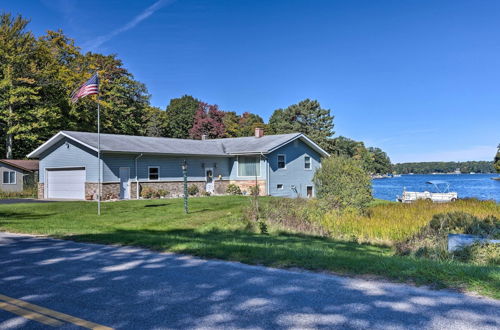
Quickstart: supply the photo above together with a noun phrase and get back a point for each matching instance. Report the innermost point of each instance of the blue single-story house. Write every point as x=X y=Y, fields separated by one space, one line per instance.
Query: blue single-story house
x=282 y=165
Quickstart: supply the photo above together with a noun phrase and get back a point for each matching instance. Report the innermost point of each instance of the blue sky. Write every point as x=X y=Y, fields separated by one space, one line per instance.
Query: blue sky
x=420 y=79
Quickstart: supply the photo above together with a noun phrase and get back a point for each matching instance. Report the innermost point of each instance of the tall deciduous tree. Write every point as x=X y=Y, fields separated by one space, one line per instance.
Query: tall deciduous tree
x=155 y=121
x=380 y=162
x=244 y=125
x=306 y=117
x=18 y=73
x=209 y=121
x=180 y=116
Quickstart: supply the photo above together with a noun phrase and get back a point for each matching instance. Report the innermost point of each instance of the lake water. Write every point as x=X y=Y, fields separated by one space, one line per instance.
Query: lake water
x=466 y=185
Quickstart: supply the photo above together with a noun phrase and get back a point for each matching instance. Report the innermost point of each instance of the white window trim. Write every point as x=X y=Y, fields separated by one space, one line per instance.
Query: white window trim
x=278 y=161
x=280 y=184
x=15 y=177
x=251 y=176
x=312 y=191
x=310 y=163
x=150 y=167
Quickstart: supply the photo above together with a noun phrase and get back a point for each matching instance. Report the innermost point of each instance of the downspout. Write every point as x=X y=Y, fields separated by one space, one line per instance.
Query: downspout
x=267 y=174
x=136 y=178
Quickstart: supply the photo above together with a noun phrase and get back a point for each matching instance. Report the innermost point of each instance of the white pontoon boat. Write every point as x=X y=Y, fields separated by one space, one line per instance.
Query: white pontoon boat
x=442 y=193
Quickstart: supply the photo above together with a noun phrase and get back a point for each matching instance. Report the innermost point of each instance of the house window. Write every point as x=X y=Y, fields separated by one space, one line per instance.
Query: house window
x=279 y=186
x=154 y=173
x=281 y=161
x=309 y=191
x=9 y=177
x=248 y=166
x=307 y=162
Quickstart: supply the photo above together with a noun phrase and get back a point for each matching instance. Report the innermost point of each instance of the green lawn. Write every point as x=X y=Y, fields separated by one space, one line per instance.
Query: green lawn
x=215 y=228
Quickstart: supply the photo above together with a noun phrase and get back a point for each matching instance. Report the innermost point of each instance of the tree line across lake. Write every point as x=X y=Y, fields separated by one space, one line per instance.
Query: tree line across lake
x=37 y=75
x=445 y=167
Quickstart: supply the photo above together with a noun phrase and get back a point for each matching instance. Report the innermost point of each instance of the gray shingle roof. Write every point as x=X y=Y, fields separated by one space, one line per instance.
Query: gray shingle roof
x=159 y=145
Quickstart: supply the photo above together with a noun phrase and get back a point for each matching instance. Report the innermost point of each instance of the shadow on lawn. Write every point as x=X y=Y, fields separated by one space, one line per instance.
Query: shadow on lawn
x=156 y=205
x=6 y=215
x=147 y=290
x=289 y=250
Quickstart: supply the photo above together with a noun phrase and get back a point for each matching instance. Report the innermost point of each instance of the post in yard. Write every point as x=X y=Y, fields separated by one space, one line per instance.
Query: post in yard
x=98 y=152
x=91 y=87
x=184 y=174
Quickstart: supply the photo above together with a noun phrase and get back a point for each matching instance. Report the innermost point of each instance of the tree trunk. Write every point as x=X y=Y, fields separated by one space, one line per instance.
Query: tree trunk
x=8 y=141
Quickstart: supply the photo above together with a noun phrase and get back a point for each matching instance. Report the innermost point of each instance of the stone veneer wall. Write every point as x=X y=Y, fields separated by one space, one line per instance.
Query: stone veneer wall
x=176 y=188
x=40 y=191
x=246 y=184
x=109 y=190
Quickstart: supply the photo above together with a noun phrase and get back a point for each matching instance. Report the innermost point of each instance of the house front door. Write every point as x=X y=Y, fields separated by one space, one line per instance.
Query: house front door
x=124 y=183
x=209 y=177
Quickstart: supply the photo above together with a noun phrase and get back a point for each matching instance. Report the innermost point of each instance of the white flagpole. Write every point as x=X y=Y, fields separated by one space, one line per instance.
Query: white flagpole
x=98 y=149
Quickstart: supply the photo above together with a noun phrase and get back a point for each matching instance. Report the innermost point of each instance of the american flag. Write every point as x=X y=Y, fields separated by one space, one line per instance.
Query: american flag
x=89 y=87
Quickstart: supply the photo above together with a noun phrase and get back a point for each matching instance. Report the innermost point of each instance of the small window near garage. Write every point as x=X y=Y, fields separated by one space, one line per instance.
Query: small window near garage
x=307 y=162
x=309 y=191
x=9 y=177
x=154 y=173
x=281 y=161
x=279 y=186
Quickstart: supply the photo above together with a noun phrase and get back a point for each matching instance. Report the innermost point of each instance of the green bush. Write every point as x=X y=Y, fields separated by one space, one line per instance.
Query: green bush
x=162 y=193
x=193 y=190
x=233 y=189
x=26 y=193
x=432 y=240
x=149 y=192
x=298 y=215
x=479 y=254
x=342 y=183
x=254 y=190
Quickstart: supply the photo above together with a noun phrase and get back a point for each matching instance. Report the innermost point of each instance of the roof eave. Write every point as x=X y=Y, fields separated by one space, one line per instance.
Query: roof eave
x=36 y=153
x=17 y=166
x=310 y=142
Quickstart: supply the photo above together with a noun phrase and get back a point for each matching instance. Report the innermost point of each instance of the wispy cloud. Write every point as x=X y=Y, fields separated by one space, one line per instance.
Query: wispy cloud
x=95 y=43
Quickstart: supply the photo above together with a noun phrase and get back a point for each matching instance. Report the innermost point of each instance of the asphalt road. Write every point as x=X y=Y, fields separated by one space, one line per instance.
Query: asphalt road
x=127 y=288
x=22 y=200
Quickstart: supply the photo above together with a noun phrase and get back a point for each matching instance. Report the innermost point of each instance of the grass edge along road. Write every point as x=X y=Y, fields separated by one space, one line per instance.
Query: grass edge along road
x=215 y=229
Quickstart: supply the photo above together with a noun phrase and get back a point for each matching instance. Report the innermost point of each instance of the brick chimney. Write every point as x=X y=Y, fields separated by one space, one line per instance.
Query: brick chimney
x=259 y=132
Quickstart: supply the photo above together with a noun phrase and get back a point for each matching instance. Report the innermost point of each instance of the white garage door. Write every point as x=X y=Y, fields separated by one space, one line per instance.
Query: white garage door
x=66 y=183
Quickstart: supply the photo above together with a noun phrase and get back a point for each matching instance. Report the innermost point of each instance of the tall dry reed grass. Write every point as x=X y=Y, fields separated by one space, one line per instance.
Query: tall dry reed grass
x=394 y=222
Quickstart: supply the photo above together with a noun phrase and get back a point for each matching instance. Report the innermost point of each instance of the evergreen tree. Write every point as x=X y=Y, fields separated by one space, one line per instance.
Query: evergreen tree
x=306 y=117
x=180 y=116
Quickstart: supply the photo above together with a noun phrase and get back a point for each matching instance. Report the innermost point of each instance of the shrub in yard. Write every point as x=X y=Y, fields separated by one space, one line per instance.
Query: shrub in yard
x=206 y=193
x=233 y=189
x=193 y=190
x=298 y=215
x=254 y=190
x=162 y=193
x=432 y=240
x=479 y=254
x=147 y=192
x=342 y=183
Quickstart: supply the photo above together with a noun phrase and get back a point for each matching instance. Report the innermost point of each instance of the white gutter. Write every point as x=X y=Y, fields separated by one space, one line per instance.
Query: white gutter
x=136 y=178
